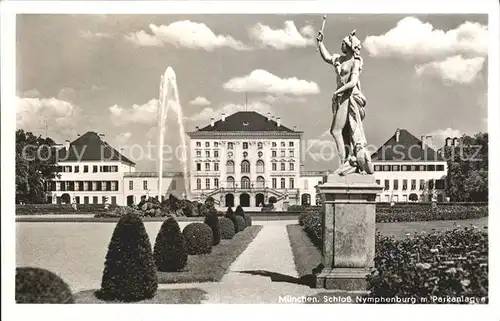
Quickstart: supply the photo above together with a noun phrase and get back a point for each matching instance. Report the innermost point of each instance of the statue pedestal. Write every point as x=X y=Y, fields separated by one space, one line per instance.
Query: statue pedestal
x=348 y=231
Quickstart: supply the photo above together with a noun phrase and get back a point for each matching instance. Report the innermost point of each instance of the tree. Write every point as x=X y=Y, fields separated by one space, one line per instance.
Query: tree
x=467 y=179
x=170 y=247
x=35 y=166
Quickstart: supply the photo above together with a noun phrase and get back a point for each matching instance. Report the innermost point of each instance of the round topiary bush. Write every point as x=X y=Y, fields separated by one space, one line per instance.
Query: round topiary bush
x=35 y=285
x=130 y=272
x=239 y=211
x=213 y=221
x=170 y=247
x=241 y=224
x=199 y=238
x=230 y=215
x=248 y=219
x=227 y=229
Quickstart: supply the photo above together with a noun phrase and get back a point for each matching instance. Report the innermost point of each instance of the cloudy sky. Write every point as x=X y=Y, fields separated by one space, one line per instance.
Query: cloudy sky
x=79 y=73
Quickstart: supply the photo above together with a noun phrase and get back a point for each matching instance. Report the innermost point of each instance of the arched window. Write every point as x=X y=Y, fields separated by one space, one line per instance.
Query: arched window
x=260 y=181
x=230 y=167
x=198 y=183
x=230 y=145
x=259 y=145
x=245 y=166
x=230 y=182
x=260 y=166
x=245 y=182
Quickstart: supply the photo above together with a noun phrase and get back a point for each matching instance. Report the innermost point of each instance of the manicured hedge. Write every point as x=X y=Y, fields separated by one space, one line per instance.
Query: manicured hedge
x=170 y=247
x=241 y=224
x=227 y=229
x=248 y=219
x=438 y=213
x=199 y=238
x=212 y=220
x=36 y=285
x=40 y=209
x=442 y=264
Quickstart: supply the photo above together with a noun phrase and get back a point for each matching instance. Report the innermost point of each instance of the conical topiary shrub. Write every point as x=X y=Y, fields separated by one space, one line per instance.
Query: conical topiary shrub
x=35 y=285
x=130 y=272
x=241 y=224
x=227 y=229
x=199 y=238
x=248 y=219
x=170 y=247
x=213 y=221
x=239 y=211
x=230 y=215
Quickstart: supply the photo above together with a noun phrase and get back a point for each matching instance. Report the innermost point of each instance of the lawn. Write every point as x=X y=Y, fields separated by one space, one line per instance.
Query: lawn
x=212 y=267
x=171 y=296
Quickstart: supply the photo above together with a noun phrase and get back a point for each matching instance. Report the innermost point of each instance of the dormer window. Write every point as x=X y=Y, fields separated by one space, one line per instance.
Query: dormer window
x=245 y=123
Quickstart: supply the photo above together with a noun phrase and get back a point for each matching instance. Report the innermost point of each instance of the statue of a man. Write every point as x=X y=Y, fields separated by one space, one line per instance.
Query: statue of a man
x=348 y=106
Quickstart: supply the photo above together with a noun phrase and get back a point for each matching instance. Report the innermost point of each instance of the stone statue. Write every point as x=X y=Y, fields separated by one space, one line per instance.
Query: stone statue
x=348 y=106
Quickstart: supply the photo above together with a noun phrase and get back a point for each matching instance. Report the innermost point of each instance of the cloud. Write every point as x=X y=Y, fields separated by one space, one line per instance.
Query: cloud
x=122 y=138
x=63 y=116
x=456 y=69
x=439 y=136
x=265 y=82
x=277 y=99
x=87 y=34
x=145 y=114
x=31 y=93
x=285 y=38
x=185 y=34
x=229 y=109
x=200 y=101
x=412 y=38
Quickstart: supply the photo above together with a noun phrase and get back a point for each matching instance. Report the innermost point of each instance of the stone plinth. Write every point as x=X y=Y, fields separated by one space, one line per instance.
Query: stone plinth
x=348 y=231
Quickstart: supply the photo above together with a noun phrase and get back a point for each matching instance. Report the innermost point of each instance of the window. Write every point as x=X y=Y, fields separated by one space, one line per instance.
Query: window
x=245 y=167
x=386 y=184
x=198 y=153
x=207 y=183
x=283 y=166
x=274 y=144
x=245 y=182
x=274 y=167
x=145 y=185
x=273 y=153
x=396 y=184
x=198 y=144
x=413 y=168
x=216 y=144
x=282 y=153
x=85 y=200
x=85 y=186
x=422 y=184
x=413 y=184
x=114 y=185
x=291 y=153
x=377 y=181
x=174 y=184
x=95 y=200
x=376 y=168
x=77 y=169
x=431 y=168
x=207 y=153
x=216 y=167
x=292 y=165
x=230 y=167
x=387 y=168
x=404 y=168
x=245 y=145
x=216 y=153
x=260 y=181
x=198 y=183
x=230 y=145
x=216 y=182
x=283 y=144
x=282 y=183
x=405 y=184
x=198 y=167
x=431 y=184
x=260 y=166
x=440 y=184
x=94 y=186
x=290 y=144
x=440 y=168
x=94 y=169
x=274 y=182
x=85 y=168
x=207 y=166
x=395 y=168
x=230 y=182
x=77 y=186
x=245 y=154
x=421 y=168
x=259 y=145
x=207 y=144
x=113 y=200
x=291 y=183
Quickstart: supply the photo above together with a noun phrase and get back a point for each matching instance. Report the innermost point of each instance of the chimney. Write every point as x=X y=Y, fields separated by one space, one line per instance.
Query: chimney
x=428 y=141
x=397 y=135
x=423 y=141
x=269 y=116
x=278 y=121
x=66 y=144
x=212 y=121
x=223 y=116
